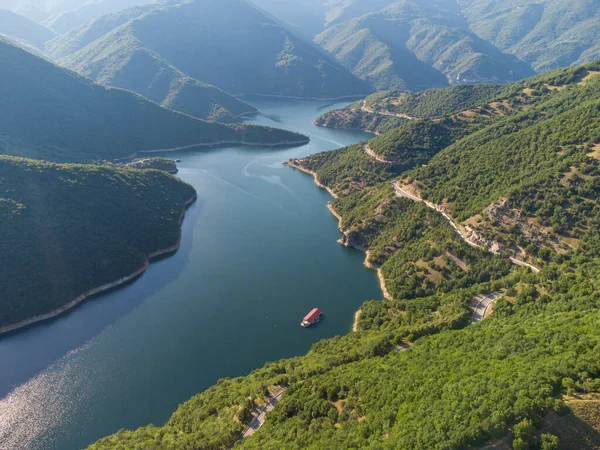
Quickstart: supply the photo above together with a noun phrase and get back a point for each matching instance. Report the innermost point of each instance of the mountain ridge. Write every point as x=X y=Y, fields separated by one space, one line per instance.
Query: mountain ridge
x=63 y=116
x=432 y=36
x=518 y=166
x=161 y=82
x=285 y=65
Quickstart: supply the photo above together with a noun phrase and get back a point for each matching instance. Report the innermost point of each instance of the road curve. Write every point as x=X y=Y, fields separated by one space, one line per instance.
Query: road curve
x=259 y=420
x=369 y=151
x=481 y=304
x=385 y=113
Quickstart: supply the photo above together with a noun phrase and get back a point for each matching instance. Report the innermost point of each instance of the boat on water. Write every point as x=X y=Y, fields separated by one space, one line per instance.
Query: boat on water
x=311 y=318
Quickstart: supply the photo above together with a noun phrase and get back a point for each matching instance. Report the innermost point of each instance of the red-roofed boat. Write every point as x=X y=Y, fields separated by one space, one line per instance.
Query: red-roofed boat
x=312 y=317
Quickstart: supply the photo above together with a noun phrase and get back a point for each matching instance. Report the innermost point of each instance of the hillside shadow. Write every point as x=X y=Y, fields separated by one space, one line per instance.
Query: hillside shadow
x=31 y=350
x=575 y=431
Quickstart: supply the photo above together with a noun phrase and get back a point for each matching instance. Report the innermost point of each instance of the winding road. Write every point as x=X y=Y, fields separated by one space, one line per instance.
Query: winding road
x=385 y=113
x=402 y=193
x=481 y=303
x=369 y=151
x=259 y=420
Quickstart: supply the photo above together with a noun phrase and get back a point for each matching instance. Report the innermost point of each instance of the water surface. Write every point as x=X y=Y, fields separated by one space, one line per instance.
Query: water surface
x=258 y=252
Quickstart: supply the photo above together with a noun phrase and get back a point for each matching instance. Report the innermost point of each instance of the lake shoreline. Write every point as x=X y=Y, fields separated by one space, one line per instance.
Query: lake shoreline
x=296 y=164
x=290 y=97
x=367 y=263
x=216 y=144
x=319 y=123
x=355 y=323
x=105 y=287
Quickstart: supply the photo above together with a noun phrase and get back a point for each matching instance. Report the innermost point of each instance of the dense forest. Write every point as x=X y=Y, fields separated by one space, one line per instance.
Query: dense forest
x=213 y=41
x=416 y=142
x=520 y=168
x=322 y=47
x=355 y=118
x=147 y=73
x=415 y=45
x=78 y=227
x=385 y=111
x=51 y=113
x=468 y=191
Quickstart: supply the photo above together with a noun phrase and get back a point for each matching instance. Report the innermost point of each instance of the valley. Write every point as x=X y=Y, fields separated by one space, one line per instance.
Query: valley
x=258 y=250
x=182 y=180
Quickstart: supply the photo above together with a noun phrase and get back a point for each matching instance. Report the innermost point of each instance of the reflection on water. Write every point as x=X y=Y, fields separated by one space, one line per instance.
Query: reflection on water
x=258 y=251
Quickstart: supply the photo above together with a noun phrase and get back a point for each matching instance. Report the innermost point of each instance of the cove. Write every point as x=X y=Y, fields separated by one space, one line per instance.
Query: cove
x=258 y=251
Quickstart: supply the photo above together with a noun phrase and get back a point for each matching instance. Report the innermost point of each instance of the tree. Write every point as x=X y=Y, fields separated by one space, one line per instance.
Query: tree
x=569 y=385
x=519 y=444
x=523 y=429
x=550 y=442
x=245 y=414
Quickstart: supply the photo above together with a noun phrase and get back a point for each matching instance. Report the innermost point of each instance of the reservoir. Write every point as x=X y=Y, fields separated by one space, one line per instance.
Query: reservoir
x=258 y=252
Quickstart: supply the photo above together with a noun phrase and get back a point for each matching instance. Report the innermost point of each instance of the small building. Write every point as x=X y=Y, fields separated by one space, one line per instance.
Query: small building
x=312 y=317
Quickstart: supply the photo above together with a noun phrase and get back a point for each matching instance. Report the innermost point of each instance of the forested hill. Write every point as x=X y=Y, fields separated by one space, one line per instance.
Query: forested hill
x=51 y=113
x=213 y=41
x=387 y=110
x=545 y=33
x=512 y=182
x=383 y=111
x=67 y=229
x=419 y=44
x=415 y=45
x=147 y=73
x=64 y=21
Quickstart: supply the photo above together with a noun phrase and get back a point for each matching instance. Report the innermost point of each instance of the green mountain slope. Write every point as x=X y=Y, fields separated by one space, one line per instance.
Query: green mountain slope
x=517 y=177
x=145 y=72
x=342 y=10
x=215 y=41
x=547 y=34
x=311 y=17
x=22 y=29
x=519 y=174
x=65 y=21
x=529 y=179
x=51 y=113
x=414 y=45
x=74 y=40
x=384 y=111
x=67 y=229
x=307 y=18
x=38 y=10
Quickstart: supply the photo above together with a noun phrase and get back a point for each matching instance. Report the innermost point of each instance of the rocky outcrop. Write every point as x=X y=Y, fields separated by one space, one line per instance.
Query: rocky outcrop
x=467 y=233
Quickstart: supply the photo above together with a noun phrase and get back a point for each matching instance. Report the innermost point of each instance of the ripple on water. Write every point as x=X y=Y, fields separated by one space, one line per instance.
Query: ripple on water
x=50 y=399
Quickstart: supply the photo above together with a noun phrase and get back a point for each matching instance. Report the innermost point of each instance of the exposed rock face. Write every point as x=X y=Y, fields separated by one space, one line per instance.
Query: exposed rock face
x=353 y=239
x=477 y=238
x=507 y=217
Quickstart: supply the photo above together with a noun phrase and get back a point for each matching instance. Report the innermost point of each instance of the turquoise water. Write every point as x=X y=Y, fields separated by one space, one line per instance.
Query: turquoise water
x=258 y=252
